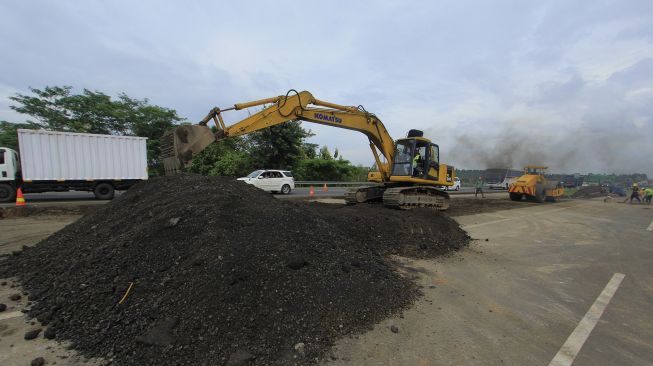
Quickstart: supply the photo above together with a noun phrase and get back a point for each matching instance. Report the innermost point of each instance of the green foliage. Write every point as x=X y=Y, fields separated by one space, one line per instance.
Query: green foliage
x=278 y=147
x=469 y=176
x=225 y=158
x=325 y=154
x=58 y=109
x=326 y=169
x=360 y=173
x=9 y=135
x=309 y=150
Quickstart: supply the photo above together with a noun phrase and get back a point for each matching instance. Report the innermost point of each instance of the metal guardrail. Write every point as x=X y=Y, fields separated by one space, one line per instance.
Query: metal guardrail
x=320 y=183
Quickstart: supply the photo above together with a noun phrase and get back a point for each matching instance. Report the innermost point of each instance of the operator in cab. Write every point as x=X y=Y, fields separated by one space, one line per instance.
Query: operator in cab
x=417 y=164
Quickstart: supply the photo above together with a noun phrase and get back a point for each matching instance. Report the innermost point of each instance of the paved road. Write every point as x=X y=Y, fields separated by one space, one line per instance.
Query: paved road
x=514 y=299
x=298 y=192
x=518 y=297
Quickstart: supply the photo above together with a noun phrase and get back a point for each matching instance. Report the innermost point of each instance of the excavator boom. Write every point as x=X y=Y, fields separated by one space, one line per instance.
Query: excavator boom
x=180 y=145
x=410 y=180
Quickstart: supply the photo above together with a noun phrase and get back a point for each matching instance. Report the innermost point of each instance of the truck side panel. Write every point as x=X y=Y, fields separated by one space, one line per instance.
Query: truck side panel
x=63 y=156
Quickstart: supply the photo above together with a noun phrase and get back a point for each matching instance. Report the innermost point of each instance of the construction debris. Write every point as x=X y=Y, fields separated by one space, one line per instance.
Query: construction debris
x=590 y=192
x=213 y=271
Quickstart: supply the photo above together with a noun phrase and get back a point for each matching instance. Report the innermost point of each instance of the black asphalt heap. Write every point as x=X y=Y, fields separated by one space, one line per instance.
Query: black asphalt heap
x=192 y=270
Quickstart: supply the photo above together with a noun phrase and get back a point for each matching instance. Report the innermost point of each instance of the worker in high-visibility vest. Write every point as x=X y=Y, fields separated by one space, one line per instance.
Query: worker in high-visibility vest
x=648 y=194
x=417 y=162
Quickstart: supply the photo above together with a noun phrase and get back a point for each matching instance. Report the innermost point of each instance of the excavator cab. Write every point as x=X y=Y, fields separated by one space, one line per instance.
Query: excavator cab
x=416 y=157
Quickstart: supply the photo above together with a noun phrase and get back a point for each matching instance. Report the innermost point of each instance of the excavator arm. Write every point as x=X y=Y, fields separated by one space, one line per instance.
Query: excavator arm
x=182 y=144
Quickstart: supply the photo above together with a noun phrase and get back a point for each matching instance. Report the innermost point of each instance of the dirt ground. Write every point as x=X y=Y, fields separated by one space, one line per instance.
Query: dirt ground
x=470 y=205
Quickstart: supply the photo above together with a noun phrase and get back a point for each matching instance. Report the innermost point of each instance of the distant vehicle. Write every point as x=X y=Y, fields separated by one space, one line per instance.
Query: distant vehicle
x=534 y=186
x=572 y=181
x=500 y=178
x=65 y=161
x=455 y=186
x=270 y=180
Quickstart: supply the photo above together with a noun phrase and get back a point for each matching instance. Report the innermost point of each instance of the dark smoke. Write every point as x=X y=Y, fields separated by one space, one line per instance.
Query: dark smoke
x=581 y=150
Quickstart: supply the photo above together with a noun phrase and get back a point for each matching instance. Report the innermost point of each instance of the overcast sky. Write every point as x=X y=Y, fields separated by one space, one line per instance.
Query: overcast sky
x=564 y=83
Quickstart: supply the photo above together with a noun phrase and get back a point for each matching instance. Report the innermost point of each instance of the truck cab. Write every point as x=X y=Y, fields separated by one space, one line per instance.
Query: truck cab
x=9 y=171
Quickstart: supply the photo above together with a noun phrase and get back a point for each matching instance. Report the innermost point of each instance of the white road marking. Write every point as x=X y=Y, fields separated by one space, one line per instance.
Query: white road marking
x=650 y=227
x=13 y=314
x=570 y=349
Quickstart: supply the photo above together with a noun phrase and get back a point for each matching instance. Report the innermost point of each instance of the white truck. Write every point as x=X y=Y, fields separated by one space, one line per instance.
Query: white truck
x=64 y=161
x=501 y=178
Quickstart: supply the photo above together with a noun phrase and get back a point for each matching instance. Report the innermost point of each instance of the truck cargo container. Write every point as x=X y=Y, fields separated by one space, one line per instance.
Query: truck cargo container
x=65 y=161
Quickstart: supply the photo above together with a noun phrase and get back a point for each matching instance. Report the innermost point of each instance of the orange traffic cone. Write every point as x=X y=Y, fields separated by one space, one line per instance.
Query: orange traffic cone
x=311 y=192
x=20 y=200
x=325 y=189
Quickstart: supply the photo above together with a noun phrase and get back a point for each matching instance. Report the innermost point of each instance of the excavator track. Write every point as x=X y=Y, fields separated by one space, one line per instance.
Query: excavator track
x=406 y=198
x=364 y=194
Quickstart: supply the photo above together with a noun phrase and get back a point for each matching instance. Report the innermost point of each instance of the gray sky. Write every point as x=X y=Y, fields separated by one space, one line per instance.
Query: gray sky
x=564 y=83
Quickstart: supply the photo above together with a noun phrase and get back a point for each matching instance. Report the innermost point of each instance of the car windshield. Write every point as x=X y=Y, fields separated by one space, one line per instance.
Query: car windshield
x=254 y=174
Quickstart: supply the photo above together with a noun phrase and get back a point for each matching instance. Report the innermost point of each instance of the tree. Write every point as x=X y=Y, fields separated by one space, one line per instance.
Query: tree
x=9 y=134
x=58 y=109
x=325 y=169
x=309 y=150
x=225 y=158
x=278 y=147
x=325 y=154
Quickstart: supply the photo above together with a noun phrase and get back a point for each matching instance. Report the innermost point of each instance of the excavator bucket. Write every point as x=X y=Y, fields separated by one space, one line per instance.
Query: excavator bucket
x=179 y=146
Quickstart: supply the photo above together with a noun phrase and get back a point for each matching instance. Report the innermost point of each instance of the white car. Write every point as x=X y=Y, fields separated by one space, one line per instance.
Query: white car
x=271 y=180
x=455 y=186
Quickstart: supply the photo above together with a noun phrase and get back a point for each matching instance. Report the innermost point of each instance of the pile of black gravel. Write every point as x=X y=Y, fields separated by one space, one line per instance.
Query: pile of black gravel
x=220 y=273
x=417 y=233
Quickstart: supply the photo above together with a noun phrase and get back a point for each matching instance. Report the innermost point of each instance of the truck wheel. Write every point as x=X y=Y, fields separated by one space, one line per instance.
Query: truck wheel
x=7 y=193
x=104 y=191
x=516 y=196
x=285 y=189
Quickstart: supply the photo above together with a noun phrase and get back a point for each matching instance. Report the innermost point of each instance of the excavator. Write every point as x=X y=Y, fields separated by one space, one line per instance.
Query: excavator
x=409 y=170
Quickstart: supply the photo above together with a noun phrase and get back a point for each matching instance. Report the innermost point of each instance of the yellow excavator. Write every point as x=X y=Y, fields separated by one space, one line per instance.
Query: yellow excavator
x=410 y=174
